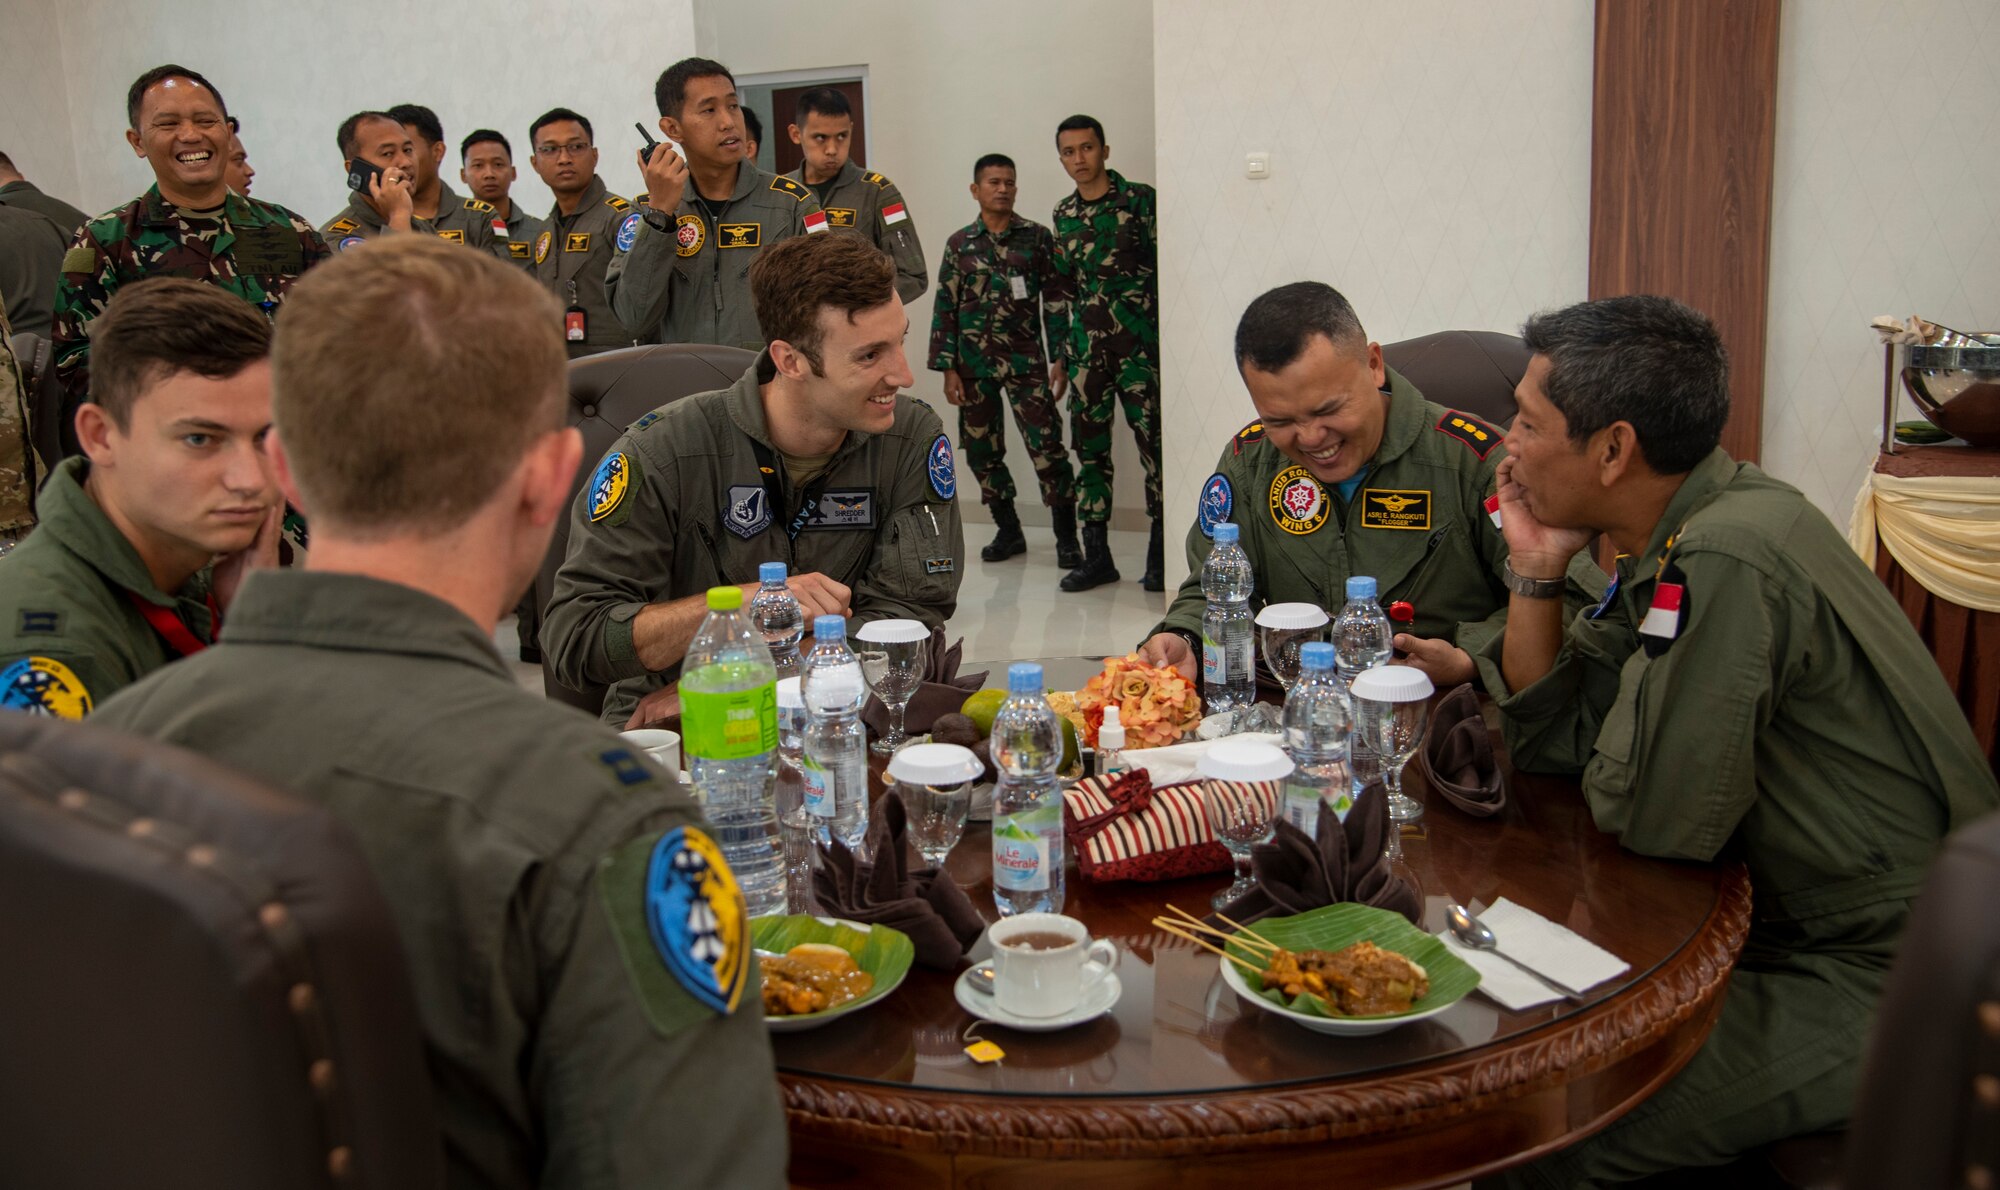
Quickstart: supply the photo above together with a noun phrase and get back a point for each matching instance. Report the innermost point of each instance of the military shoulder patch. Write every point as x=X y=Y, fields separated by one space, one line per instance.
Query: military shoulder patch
x=616 y=203
x=1298 y=504
x=542 y=246
x=1468 y=429
x=1249 y=435
x=43 y=686
x=628 y=231
x=1218 y=500
x=689 y=232
x=625 y=766
x=347 y=242
x=342 y=226
x=610 y=484
x=942 y=468
x=80 y=259
x=678 y=919
x=875 y=178
x=474 y=204
x=645 y=421
x=785 y=185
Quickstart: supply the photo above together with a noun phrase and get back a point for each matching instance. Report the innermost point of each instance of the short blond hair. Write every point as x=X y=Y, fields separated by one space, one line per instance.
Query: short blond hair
x=408 y=377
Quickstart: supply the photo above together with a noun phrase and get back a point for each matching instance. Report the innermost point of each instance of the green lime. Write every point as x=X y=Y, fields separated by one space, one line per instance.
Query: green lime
x=981 y=707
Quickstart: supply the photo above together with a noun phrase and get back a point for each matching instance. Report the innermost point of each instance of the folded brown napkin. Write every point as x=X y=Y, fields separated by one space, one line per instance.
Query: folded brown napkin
x=1346 y=862
x=925 y=904
x=1457 y=756
x=942 y=693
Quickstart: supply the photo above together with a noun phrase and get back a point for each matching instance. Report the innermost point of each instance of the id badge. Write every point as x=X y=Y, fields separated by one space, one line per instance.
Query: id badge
x=573 y=325
x=1019 y=285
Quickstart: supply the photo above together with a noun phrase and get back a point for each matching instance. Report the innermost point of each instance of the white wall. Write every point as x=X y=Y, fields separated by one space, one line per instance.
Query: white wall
x=292 y=73
x=1430 y=159
x=947 y=83
x=1887 y=201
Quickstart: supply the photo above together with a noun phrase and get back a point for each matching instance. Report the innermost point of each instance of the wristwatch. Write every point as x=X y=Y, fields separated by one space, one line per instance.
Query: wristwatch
x=1531 y=588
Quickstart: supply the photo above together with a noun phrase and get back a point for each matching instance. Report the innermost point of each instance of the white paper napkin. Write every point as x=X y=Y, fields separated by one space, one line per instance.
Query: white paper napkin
x=1556 y=951
x=1175 y=763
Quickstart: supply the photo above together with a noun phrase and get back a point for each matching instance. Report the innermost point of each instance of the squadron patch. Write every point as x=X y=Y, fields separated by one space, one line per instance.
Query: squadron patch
x=628 y=231
x=1217 y=501
x=695 y=913
x=452 y=235
x=943 y=469
x=1298 y=504
x=747 y=510
x=609 y=485
x=43 y=686
x=689 y=233
x=1249 y=435
x=542 y=246
x=576 y=241
x=351 y=242
x=840 y=216
x=1387 y=508
x=1468 y=429
x=738 y=235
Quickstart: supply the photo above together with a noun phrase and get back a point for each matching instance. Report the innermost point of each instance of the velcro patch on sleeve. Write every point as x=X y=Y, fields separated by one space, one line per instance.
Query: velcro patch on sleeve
x=677 y=917
x=1468 y=429
x=80 y=259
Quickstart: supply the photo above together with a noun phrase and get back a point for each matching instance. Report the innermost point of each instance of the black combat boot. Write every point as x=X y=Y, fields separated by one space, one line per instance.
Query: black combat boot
x=1008 y=542
x=1062 y=518
x=1155 y=578
x=1097 y=569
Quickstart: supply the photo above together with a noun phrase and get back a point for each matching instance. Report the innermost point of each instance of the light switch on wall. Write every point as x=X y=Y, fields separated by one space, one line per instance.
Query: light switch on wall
x=1257 y=166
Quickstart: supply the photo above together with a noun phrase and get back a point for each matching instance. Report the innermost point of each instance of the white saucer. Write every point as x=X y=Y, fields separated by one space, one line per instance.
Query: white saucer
x=1102 y=998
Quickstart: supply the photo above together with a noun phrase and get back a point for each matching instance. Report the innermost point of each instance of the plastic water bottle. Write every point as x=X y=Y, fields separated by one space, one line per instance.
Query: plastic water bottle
x=833 y=768
x=776 y=614
x=1027 y=806
x=1111 y=761
x=1228 y=641
x=1318 y=722
x=1362 y=635
x=729 y=728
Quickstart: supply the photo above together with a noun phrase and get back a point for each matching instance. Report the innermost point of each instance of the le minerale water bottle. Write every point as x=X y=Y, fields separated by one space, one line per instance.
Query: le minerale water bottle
x=1362 y=640
x=1027 y=806
x=729 y=724
x=833 y=768
x=1318 y=721
x=776 y=614
x=1228 y=658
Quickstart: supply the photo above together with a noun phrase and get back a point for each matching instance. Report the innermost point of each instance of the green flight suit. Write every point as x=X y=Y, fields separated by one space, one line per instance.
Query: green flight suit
x=1417 y=524
x=685 y=277
x=70 y=631
x=251 y=248
x=571 y=255
x=467 y=221
x=1793 y=721
x=512 y=840
x=31 y=254
x=869 y=204
x=29 y=197
x=358 y=222
x=518 y=245
x=680 y=504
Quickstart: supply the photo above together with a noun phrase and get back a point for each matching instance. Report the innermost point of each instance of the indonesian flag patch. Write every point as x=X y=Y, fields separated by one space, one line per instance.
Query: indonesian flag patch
x=894 y=213
x=1663 y=619
x=499 y=228
x=1493 y=510
x=815 y=222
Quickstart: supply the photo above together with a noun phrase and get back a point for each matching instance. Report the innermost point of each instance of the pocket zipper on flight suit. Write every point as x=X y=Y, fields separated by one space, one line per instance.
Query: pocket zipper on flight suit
x=1425 y=563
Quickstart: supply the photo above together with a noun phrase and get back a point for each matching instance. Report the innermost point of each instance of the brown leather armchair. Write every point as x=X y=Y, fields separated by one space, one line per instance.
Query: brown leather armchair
x=607 y=393
x=1472 y=371
x=202 y=985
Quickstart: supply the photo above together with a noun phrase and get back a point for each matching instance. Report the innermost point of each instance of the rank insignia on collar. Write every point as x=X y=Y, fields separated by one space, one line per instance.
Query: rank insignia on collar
x=1249 y=435
x=342 y=226
x=1298 y=504
x=695 y=914
x=41 y=623
x=616 y=203
x=43 y=686
x=1476 y=434
x=785 y=185
x=875 y=179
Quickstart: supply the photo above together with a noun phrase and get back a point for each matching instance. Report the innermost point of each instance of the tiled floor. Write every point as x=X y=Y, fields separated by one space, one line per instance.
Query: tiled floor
x=1013 y=608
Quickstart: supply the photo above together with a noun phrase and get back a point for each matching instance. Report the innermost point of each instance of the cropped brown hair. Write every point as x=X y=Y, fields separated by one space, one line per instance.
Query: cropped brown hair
x=793 y=281
x=409 y=377
x=162 y=325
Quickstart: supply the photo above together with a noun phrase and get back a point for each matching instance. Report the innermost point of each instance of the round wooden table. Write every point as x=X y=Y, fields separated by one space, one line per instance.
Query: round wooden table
x=1181 y=1084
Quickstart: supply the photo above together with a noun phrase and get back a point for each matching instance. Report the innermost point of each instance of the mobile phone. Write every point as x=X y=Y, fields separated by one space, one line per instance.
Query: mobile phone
x=359 y=172
x=646 y=136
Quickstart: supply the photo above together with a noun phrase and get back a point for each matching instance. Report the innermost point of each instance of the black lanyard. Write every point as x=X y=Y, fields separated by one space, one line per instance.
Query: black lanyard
x=767 y=467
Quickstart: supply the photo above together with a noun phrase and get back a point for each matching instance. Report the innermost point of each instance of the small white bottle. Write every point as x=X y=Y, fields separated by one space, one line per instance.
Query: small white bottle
x=1111 y=761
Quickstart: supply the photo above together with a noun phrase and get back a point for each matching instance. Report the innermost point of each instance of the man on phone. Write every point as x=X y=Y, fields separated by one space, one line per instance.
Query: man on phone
x=686 y=270
x=467 y=221
x=855 y=199
x=486 y=166
x=584 y=228
x=187 y=224
x=380 y=157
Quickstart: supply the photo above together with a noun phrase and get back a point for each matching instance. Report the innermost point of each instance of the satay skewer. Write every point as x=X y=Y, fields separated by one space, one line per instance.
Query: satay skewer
x=1173 y=927
x=1244 y=937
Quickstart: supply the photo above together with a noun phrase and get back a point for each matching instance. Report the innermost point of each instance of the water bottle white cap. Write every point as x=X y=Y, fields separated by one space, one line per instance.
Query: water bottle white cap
x=1110 y=733
x=1244 y=760
x=1393 y=683
x=892 y=632
x=1360 y=586
x=1024 y=677
x=789 y=693
x=1316 y=654
x=934 y=764
x=1227 y=531
x=829 y=628
x=770 y=572
x=1292 y=616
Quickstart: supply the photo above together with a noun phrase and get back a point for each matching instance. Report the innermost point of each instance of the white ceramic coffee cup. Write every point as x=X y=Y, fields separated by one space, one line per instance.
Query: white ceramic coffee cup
x=657 y=742
x=1045 y=983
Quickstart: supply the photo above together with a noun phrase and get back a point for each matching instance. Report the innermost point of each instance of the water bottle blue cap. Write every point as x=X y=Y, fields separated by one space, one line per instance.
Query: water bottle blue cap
x=1024 y=677
x=1361 y=586
x=1316 y=654
x=1227 y=532
x=829 y=628
x=771 y=572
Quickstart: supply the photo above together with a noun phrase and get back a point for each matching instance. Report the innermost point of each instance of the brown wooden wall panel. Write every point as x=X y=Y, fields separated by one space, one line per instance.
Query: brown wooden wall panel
x=1682 y=140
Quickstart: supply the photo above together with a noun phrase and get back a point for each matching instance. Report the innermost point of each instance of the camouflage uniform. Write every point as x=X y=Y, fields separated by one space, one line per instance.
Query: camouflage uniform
x=869 y=204
x=1109 y=252
x=983 y=327
x=255 y=250
x=572 y=254
x=358 y=222
x=17 y=452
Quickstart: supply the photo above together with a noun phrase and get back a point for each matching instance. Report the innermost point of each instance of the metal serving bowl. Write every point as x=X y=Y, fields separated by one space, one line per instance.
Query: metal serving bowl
x=1955 y=381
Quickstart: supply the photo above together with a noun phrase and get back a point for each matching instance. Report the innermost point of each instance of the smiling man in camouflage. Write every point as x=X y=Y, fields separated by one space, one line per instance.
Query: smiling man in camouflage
x=187 y=224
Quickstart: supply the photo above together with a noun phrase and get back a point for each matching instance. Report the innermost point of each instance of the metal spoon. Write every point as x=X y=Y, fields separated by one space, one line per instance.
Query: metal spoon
x=980 y=978
x=1473 y=932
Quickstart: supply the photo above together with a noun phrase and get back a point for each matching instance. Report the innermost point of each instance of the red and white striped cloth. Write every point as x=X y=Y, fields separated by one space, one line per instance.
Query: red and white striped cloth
x=1132 y=831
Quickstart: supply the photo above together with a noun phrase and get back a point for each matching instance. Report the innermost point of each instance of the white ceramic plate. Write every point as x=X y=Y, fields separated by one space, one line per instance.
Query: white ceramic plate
x=1102 y=998
x=1335 y=1026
